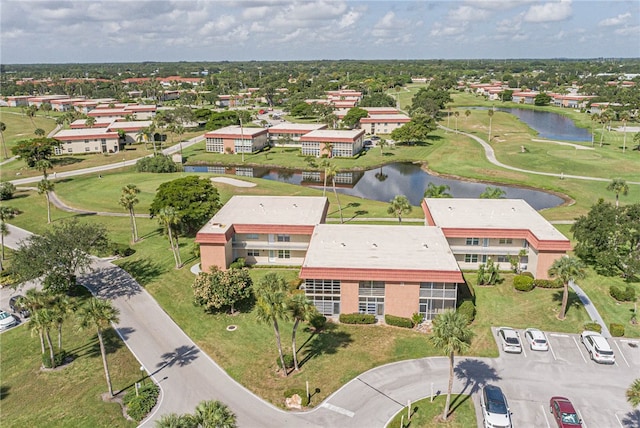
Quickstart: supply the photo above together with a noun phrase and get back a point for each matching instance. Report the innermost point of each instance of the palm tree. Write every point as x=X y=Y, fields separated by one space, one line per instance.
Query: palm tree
x=595 y=117
x=456 y=114
x=490 y=120
x=272 y=306
x=382 y=143
x=30 y=112
x=39 y=132
x=170 y=218
x=99 y=314
x=326 y=165
x=331 y=171
x=624 y=117
x=604 y=117
x=43 y=165
x=214 y=414
x=618 y=186
x=6 y=213
x=37 y=324
x=173 y=420
x=128 y=199
x=451 y=335
x=328 y=149
x=179 y=131
x=90 y=121
x=46 y=320
x=434 y=191
x=46 y=187
x=467 y=113
x=633 y=393
x=62 y=306
x=398 y=206
x=567 y=269
x=301 y=309
x=3 y=128
x=492 y=193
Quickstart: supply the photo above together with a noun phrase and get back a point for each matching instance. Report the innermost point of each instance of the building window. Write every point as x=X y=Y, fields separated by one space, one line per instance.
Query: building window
x=371 y=297
x=436 y=297
x=253 y=253
x=284 y=238
x=473 y=241
x=86 y=149
x=503 y=259
x=252 y=236
x=325 y=295
x=284 y=254
x=504 y=241
x=471 y=258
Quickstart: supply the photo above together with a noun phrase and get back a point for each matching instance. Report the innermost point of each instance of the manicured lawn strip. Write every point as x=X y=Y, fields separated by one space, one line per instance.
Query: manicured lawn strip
x=425 y=413
x=69 y=396
x=20 y=127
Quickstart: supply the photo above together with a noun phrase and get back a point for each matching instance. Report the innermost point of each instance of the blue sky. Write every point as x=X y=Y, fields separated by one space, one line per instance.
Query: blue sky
x=214 y=30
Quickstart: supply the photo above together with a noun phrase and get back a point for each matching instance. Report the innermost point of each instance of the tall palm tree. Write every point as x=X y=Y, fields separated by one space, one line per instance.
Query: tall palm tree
x=271 y=306
x=301 y=309
x=214 y=414
x=624 y=117
x=467 y=113
x=328 y=149
x=633 y=393
x=170 y=218
x=434 y=191
x=46 y=320
x=128 y=200
x=6 y=213
x=492 y=193
x=37 y=323
x=43 y=165
x=99 y=314
x=567 y=269
x=604 y=117
x=451 y=335
x=30 y=112
x=456 y=114
x=490 y=120
x=331 y=171
x=61 y=307
x=618 y=186
x=179 y=131
x=398 y=206
x=325 y=164
x=595 y=117
x=382 y=143
x=3 y=127
x=46 y=187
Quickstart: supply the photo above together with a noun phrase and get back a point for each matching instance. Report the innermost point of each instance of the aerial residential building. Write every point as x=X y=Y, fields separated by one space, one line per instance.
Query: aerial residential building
x=18 y=100
x=100 y=122
x=269 y=230
x=87 y=140
x=65 y=104
x=333 y=143
x=383 y=123
x=524 y=97
x=497 y=229
x=136 y=111
x=236 y=139
x=286 y=133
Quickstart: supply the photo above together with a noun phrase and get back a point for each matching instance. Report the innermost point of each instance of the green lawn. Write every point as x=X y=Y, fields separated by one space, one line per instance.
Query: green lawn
x=425 y=413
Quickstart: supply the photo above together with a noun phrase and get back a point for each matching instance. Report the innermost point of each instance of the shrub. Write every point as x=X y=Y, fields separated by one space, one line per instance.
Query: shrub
x=417 y=318
x=523 y=283
x=158 y=164
x=239 y=263
x=548 y=283
x=57 y=357
x=627 y=294
x=288 y=360
x=357 y=318
x=301 y=392
x=139 y=406
x=318 y=322
x=593 y=326
x=121 y=250
x=398 y=321
x=468 y=309
x=7 y=189
x=529 y=274
x=616 y=330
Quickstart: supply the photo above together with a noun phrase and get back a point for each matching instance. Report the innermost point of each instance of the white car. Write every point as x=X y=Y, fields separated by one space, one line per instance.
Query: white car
x=495 y=410
x=7 y=320
x=510 y=340
x=597 y=347
x=537 y=340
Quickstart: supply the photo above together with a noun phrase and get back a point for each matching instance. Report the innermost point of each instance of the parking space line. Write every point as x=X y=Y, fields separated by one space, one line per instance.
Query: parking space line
x=521 y=343
x=544 y=413
x=579 y=350
x=618 y=419
x=551 y=349
x=622 y=353
x=584 y=424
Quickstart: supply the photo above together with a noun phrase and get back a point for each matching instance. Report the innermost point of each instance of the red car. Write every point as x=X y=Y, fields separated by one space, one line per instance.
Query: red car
x=564 y=413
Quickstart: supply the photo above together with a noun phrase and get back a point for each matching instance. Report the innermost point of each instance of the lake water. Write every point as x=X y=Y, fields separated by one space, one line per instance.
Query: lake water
x=552 y=126
x=383 y=184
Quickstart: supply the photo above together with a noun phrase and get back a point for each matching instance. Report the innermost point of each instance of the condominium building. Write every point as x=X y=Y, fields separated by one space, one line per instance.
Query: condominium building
x=284 y=134
x=236 y=139
x=332 y=143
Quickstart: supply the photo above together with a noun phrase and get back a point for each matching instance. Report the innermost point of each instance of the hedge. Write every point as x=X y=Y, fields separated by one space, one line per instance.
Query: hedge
x=301 y=392
x=593 y=326
x=616 y=330
x=357 y=318
x=398 y=321
x=468 y=309
x=288 y=360
x=139 y=406
x=627 y=294
x=548 y=283
x=523 y=283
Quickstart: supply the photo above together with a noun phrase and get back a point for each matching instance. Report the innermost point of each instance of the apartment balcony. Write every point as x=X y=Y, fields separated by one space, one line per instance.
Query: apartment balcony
x=266 y=245
x=491 y=250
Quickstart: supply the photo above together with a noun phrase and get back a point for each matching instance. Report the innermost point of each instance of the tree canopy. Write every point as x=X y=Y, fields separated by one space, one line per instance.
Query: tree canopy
x=378 y=99
x=431 y=100
x=194 y=199
x=222 y=289
x=353 y=116
x=416 y=131
x=36 y=149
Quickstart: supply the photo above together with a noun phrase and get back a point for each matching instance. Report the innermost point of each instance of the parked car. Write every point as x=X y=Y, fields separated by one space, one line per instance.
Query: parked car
x=495 y=410
x=374 y=138
x=7 y=320
x=17 y=308
x=537 y=340
x=564 y=413
x=510 y=340
x=597 y=347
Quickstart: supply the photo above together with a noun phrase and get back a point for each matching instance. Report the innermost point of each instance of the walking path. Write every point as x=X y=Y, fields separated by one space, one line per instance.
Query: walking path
x=590 y=308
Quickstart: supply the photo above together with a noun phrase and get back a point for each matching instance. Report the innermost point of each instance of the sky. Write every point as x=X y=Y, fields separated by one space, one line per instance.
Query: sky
x=93 y=31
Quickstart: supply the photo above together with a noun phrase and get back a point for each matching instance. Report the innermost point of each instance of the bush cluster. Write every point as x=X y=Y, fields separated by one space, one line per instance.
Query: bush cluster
x=139 y=406
x=121 y=250
x=616 y=330
x=468 y=309
x=548 y=283
x=593 y=326
x=58 y=357
x=301 y=392
x=523 y=283
x=318 y=322
x=7 y=190
x=529 y=274
x=357 y=318
x=239 y=263
x=158 y=164
x=288 y=360
x=626 y=294
x=398 y=321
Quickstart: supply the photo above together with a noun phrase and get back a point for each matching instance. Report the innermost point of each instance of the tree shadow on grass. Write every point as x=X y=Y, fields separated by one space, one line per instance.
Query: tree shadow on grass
x=476 y=374
x=4 y=391
x=572 y=302
x=64 y=161
x=327 y=342
x=143 y=270
x=112 y=343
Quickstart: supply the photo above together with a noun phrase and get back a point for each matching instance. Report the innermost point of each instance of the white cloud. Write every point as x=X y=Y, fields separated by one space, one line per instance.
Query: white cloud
x=442 y=30
x=617 y=20
x=629 y=31
x=468 y=13
x=549 y=12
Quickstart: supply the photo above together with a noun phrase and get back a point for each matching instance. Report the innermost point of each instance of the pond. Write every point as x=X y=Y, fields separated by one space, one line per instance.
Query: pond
x=383 y=184
x=549 y=125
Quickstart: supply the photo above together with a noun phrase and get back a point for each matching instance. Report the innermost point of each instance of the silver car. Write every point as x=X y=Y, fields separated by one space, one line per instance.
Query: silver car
x=536 y=339
x=7 y=320
x=597 y=347
x=509 y=340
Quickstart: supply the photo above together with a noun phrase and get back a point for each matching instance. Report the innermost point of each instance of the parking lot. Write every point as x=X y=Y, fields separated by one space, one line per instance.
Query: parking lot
x=596 y=390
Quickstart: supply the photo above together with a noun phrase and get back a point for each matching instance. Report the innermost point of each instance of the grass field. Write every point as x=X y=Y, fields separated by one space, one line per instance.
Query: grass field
x=425 y=413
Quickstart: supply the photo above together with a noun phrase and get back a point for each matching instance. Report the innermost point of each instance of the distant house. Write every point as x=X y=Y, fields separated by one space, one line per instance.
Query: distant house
x=65 y=104
x=234 y=139
x=333 y=143
x=87 y=140
x=289 y=133
x=524 y=97
x=383 y=123
x=570 y=101
x=18 y=100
